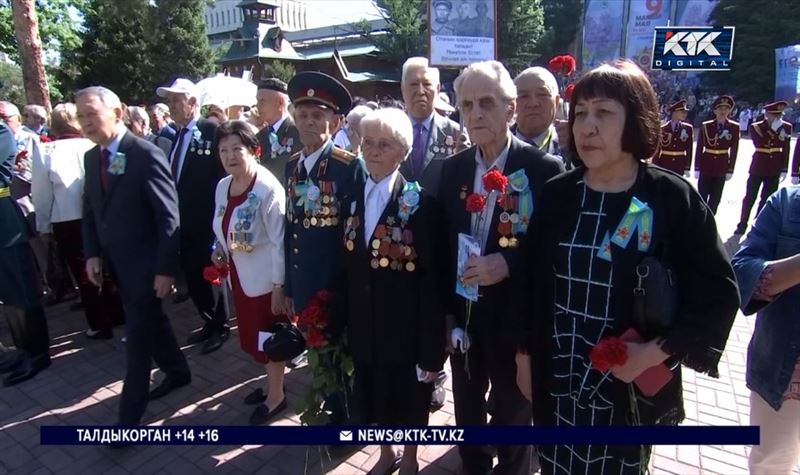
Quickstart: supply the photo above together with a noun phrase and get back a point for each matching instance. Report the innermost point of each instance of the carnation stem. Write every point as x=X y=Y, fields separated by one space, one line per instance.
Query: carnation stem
x=466 y=337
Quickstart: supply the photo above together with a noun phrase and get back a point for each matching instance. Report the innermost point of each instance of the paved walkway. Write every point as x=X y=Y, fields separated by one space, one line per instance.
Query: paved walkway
x=83 y=385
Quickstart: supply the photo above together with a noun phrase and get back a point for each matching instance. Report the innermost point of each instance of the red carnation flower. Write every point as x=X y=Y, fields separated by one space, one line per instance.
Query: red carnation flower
x=555 y=64
x=310 y=316
x=568 y=64
x=494 y=180
x=607 y=353
x=475 y=203
x=568 y=92
x=211 y=274
x=20 y=156
x=315 y=339
x=44 y=138
x=257 y=152
x=324 y=296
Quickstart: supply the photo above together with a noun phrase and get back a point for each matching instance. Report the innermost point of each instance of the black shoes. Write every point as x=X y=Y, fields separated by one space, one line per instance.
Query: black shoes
x=215 y=341
x=256 y=397
x=200 y=336
x=26 y=368
x=262 y=414
x=9 y=360
x=99 y=334
x=168 y=385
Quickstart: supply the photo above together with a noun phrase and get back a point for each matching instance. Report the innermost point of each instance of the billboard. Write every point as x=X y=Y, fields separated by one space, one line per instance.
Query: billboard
x=694 y=12
x=602 y=32
x=643 y=17
x=787 y=73
x=461 y=33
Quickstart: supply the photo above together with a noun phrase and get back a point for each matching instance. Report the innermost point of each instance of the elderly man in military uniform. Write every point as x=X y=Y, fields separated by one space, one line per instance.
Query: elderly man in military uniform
x=677 y=139
x=435 y=137
x=19 y=288
x=279 y=138
x=537 y=102
x=772 y=137
x=320 y=179
x=441 y=24
x=716 y=152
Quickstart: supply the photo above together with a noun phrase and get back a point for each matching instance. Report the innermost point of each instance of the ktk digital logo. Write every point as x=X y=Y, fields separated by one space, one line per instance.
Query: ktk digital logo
x=693 y=48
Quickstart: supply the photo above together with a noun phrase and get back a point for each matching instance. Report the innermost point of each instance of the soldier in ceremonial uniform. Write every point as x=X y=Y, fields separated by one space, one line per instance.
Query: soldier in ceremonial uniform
x=319 y=179
x=19 y=288
x=772 y=138
x=676 y=141
x=716 y=152
x=279 y=138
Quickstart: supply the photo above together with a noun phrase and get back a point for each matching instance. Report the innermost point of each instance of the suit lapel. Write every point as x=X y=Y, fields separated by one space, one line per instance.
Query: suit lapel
x=92 y=172
x=114 y=180
x=466 y=178
x=433 y=138
x=326 y=151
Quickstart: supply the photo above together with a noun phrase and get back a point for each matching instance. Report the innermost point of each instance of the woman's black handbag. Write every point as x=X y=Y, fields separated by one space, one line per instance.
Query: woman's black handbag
x=655 y=298
x=285 y=344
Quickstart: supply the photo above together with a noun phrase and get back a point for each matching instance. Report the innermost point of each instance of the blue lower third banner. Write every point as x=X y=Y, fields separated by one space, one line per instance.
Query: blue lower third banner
x=373 y=435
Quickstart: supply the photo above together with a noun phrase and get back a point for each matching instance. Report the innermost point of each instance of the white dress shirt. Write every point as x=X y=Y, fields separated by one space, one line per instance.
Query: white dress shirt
x=477 y=187
x=278 y=123
x=376 y=197
x=113 y=146
x=311 y=160
x=180 y=155
x=58 y=176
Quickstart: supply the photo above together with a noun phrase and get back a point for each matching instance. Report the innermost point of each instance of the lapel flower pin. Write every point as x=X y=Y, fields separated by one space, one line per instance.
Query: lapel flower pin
x=117 y=164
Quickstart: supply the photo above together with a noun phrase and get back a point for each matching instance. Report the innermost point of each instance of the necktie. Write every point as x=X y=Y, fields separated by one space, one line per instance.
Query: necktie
x=176 y=153
x=105 y=162
x=417 y=151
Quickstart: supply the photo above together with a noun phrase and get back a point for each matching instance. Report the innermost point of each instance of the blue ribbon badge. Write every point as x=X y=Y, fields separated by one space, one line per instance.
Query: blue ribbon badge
x=638 y=219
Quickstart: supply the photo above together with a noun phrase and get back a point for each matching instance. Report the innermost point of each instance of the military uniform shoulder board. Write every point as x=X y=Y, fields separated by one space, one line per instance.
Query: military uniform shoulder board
x=733 y=122
x=757 y=128
x=687 y=124
x=295 y=156
x=342 y=155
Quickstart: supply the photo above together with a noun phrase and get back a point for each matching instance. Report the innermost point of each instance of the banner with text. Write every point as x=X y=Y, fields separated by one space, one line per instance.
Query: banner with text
x=643 y=17
x=602 y=31
x=463 y=35
x=787 y=73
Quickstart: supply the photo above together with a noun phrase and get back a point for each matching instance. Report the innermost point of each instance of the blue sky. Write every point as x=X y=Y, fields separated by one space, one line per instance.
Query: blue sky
x=332 y=12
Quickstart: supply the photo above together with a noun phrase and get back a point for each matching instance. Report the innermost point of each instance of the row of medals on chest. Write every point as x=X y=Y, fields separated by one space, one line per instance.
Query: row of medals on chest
x=325 y=215
x=507 y=219
x=391 y=246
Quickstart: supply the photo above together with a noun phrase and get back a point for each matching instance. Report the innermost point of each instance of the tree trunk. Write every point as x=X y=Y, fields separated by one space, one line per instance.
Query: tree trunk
x=26 y=28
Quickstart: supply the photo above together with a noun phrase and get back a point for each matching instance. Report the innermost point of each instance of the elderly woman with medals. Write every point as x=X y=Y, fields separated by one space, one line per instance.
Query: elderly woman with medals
x=249 y=224
x=390 y=304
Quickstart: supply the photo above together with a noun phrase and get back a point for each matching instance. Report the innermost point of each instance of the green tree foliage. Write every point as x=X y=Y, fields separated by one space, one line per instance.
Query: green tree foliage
x=520 y=28
x=57 y=27
x=12 y=89
x=407 y=29
x=117 y=51
x=758 y=32
x=561 y=26
x=284 y=71
x=181 y=47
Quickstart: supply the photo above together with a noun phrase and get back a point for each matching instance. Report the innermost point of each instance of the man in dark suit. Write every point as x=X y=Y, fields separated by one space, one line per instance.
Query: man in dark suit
x=130 y=223
x=159 y=120
x=435 y=137
x=196 y=169
x=487 y=99
x=20 y=290
x=279 y=138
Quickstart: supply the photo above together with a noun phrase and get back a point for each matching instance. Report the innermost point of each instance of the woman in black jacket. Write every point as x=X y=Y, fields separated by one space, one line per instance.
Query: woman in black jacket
x=594 y=226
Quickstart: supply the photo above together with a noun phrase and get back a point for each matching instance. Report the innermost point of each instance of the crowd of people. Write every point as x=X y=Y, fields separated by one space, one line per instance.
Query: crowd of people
x=513 y=245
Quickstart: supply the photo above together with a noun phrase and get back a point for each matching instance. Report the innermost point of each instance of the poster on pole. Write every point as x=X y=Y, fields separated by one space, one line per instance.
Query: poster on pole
x=644 y=16
x=461 y=32
x=787 y=73
x=602 y=31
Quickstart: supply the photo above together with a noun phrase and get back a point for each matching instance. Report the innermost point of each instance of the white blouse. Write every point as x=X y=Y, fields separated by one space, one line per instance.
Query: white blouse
x=57 y=185
x=262 y=267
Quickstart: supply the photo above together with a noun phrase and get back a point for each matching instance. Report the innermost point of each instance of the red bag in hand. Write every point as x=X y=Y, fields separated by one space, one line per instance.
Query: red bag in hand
x=652 y=379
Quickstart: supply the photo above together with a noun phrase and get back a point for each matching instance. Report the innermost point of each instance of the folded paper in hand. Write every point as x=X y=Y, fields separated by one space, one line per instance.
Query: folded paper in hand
x=467 y=246
x=262 y=338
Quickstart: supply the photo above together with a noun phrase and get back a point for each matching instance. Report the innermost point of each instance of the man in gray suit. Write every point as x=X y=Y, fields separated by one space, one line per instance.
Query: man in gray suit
x=279 y=139
x=435 y=137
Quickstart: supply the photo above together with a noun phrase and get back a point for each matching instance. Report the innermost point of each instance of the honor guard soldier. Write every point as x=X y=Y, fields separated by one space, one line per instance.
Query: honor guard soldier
x=677 y=140
x=716 y=152
x=772 y=137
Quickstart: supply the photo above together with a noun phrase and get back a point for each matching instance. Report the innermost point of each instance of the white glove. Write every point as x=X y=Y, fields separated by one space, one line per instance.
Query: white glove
x=696 y=175
x=687 y=174
x=795 y=180
x=783 y=176
x=459 y=339
x=728 y=176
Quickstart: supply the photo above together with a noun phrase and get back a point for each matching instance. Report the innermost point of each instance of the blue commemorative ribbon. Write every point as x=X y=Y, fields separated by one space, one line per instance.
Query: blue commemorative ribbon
x=409 y=201
x=637 y=219
x=519 y=182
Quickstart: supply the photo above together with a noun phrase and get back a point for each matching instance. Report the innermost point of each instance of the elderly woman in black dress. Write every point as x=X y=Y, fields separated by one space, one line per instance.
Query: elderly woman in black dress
x=395 y=325
x=593 y=228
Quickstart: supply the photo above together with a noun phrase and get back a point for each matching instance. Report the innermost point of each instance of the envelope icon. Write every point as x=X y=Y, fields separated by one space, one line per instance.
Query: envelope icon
x=345 y=436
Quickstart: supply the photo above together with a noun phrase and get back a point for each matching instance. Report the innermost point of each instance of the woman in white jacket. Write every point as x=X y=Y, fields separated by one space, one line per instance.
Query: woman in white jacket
x=249 y=224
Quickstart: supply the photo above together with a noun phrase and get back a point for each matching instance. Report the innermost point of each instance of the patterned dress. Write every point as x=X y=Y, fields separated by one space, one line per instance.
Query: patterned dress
x=581 y=317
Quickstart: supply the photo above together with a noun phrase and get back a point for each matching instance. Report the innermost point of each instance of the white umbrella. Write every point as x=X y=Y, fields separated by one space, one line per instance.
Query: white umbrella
x=226 y=91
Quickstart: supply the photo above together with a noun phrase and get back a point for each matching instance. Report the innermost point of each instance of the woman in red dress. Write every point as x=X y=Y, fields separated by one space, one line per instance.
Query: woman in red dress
x=249 y=224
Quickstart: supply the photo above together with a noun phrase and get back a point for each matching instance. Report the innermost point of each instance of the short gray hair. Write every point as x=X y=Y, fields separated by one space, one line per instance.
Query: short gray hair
x=392 y=119
x=160 y=107
x=358 y=113
x=138 y=113
x=37 y=110
x=10 y=108
x=493 y=70
x=106 y=96
x=542 y=73
x=419 y=62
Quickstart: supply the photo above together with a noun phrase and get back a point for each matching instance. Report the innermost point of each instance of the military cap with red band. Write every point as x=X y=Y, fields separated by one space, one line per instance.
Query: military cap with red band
x=723 y=101
x=678 y=106
x=776 y=107
x=312 y=87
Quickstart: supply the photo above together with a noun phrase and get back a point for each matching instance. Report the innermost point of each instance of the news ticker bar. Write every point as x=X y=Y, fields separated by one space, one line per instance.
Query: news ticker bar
x=372 y=435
